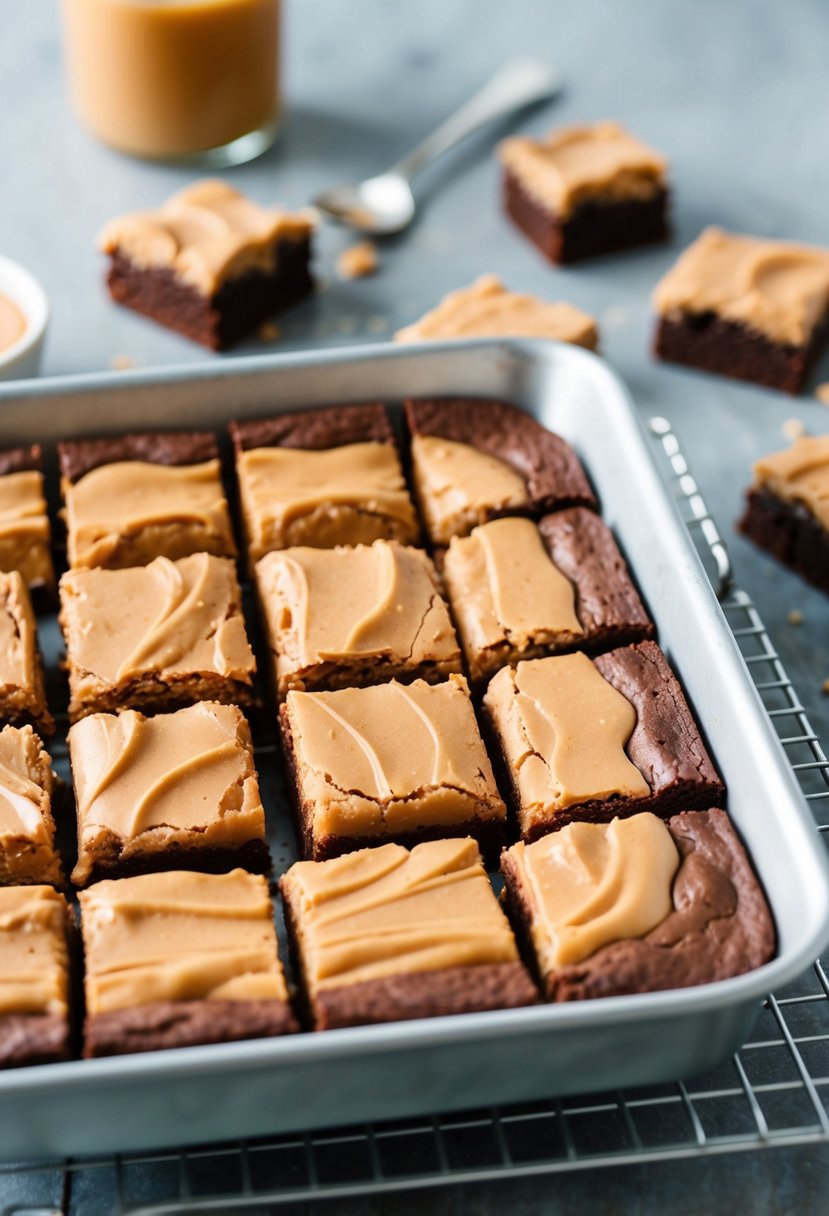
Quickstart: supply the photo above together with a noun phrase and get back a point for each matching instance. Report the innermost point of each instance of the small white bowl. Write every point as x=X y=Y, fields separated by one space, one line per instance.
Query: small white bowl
x=22 y=358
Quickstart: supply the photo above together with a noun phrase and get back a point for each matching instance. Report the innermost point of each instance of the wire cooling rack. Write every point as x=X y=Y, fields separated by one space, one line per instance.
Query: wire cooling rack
x=773 y=1092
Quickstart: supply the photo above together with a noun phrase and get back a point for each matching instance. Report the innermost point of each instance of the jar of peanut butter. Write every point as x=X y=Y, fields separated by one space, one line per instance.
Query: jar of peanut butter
x=176 y=79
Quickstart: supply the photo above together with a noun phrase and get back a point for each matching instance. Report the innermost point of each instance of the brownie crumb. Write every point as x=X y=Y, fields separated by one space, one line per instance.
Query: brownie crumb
x=358 y=261
x=795 y=617
x=122 y=363
x=793 y=428
x=824 y=688
x=822 y=393
x=269 y=332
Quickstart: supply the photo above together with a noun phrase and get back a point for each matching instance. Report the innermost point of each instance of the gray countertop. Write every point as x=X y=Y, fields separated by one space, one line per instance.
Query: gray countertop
x=734 y=93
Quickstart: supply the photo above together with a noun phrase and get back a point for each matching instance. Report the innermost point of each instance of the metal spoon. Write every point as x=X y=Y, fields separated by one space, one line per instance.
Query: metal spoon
x=385 y=204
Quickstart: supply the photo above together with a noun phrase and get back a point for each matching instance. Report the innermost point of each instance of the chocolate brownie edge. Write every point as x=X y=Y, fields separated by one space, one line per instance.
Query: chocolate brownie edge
x=317 y=429
x=33 y=1038
x=174 y=448
x=788 y=532
x=22 y=460
x=166 y=1024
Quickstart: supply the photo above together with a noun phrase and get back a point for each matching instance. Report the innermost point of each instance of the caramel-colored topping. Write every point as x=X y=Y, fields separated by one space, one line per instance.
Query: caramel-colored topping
x=34 y=958
x=27 y=830
x=131 y=511
x=206 y=234
x=591 y=884
x=391 y=758
x=775 y=287
x=329 y=606
x=358 y=261
x=564 y=728
x=506 y=592
x=12 y=323
x=486 y=309
x=186 y=777
x=179 y=936
x=575 y=164
x=459 y=487
x=173 y=618
x=387 y=911
x=349 y=495
x=24 y=527
x=19 y=664
x=800 y=474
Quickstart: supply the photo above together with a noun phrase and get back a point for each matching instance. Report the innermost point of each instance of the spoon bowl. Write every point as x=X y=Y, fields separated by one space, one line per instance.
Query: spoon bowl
x=380 y=205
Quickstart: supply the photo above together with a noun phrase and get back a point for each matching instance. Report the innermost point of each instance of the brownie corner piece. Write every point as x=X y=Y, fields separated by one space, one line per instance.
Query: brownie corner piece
x=25 y=540
x=36 y=927
x=28 y=853
x=22 y=684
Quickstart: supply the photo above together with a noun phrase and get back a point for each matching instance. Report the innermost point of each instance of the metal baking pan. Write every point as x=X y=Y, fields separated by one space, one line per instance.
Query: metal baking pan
x=414 y=1068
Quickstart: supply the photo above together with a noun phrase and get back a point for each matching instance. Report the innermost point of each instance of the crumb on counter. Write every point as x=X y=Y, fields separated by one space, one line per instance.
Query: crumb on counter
x=269 y=332
x=614 y=317
x=122 y=363
x=793 y=429
x=822 y=393
x=824 y=688
x=358 y=261
x=795 y=617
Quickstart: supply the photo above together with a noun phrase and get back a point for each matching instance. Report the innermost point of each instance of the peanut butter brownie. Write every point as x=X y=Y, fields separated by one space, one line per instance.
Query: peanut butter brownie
x=132 y=498
x=35 y=924
x=155 y=637
x=22 y=689
x=392 y=762
x=323 y=477
x=590 y=739
x=387 y=935
x=474 y=459
x=174 y=792
x=209 y=263
x=354 y=616
x=585 y=190
x=27 y=829
x=520 y=590
x=25 y=532
x=180 y=958
x=637 y=905
x=745 y=307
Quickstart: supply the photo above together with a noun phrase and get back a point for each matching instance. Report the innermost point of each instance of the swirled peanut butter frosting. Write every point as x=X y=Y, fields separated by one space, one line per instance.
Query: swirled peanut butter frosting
x=591 y=884
x=777 y=288
x=206 y=234
x=34 y=958
x=391 y=758
x=348 y=495
x=387 y=911
x=21 y=675
x=179 y=936
x=27 y=830
x=24 y=527
x=131 y=511
x=186 y=777
x=354 y=605
x=576 y=164
x=800 y=475
x=486 y=309
x=458 y=486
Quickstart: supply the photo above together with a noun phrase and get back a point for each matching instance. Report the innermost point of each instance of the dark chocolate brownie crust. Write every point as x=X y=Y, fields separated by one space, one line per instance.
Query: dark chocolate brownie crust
x=33 y=1038
x=184 y=1024
x=253 y=856
x=80 y=456
x=150 y=694
x=720 y=925
x=790 y=532
x=330 y=426
x=232 y=313
x=21 y=460
x=593 y=228
x=550 y=468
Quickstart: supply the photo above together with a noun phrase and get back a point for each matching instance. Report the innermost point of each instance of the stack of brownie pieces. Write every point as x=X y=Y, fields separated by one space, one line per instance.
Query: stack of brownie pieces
x=461 y=669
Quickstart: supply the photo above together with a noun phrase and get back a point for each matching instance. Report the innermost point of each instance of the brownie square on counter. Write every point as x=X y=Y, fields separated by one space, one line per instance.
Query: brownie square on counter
x=673 y=903
x=35 y=925
x=354 y=616
x=387 y=935
x=132 y=498
x=585 y=190
x=590 y=739
x=25 y=531
x=155 y=637
x=474 y=459
x=392 y=762
x=787 y=508
x=174 y=792
x=27 y=829
x=745 y=307
x=520 y=590
x=179 y=959
x=22 y=687
x=323 y=477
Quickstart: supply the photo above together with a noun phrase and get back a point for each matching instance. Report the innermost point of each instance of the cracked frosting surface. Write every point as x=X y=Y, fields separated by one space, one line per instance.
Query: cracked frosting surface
x=487 y=309
x=329 y=607
x=347 y=495
x=24 y=527
x=27 y=830
x=459 y=486
x=591 y=884
x=130 y=511
x=186 y=777
x=799 y=474
x=34 y=958
x=775 y=287
x=388 y=911
x=179 y=936
x=205 y=234
x=572 y=165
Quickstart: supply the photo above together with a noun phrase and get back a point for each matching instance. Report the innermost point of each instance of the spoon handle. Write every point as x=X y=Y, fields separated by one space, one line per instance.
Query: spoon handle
x=518 y=83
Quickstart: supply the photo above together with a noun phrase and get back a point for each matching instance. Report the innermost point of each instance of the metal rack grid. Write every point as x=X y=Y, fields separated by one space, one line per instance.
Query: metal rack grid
x=774 y=1092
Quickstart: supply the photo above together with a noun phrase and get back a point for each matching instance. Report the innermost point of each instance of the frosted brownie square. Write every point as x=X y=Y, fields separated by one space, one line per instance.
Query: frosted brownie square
x=25 y=531
x=155 y=637
x=22 y=687
x=35 y=927
x=425 y=936
x=172 y=792
x=178 y=959
x=27 y=828
x=392 y=762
